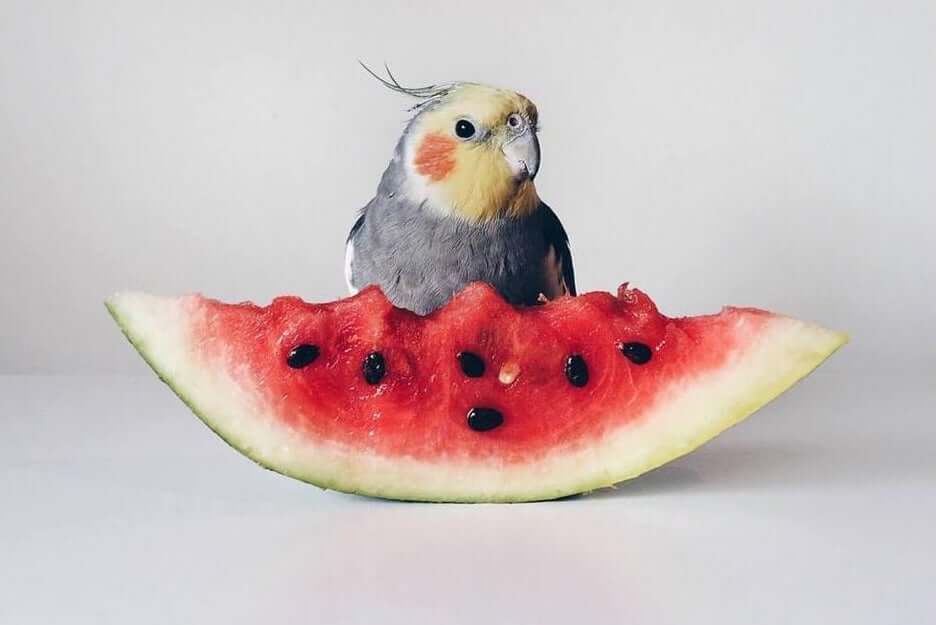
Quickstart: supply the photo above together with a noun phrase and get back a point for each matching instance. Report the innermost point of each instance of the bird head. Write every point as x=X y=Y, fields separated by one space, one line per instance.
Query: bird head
x=470 y=150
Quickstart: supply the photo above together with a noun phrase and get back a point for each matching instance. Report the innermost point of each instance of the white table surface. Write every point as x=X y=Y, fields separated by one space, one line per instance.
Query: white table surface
x=119 y=506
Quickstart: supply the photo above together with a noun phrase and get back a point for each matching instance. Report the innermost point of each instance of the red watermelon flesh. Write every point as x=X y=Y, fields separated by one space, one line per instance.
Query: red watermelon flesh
x=643 y=388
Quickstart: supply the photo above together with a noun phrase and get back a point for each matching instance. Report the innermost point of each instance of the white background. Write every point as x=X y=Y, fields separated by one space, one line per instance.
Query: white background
x=778 y=154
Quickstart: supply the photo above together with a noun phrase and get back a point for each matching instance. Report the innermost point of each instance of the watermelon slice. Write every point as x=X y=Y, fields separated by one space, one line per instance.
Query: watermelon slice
x=479 y=401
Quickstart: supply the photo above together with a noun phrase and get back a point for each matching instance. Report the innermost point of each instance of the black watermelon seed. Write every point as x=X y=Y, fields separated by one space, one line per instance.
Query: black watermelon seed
x=302 y=356
x=471 y=364
x=576 y=370
x=375 y=368
x=484 y=419
x=637 y=353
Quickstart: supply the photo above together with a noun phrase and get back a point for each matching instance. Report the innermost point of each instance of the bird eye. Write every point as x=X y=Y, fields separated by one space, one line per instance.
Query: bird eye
x=464 y=129
x=515 y=121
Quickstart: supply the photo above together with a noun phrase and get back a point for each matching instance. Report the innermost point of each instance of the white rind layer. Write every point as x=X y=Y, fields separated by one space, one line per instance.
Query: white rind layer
x=778 y=354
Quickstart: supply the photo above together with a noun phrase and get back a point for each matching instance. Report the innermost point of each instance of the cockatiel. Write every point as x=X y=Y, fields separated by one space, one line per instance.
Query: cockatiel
x=457 y=204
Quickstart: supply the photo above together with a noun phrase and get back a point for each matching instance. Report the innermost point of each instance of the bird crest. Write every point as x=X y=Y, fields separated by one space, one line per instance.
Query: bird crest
x=426 y=94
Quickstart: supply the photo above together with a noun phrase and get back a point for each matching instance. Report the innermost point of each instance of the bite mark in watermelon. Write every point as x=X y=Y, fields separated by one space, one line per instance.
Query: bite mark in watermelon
x=563 y=398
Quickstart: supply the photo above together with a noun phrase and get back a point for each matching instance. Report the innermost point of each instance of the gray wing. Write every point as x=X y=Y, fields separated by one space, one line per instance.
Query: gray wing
x=559 y=271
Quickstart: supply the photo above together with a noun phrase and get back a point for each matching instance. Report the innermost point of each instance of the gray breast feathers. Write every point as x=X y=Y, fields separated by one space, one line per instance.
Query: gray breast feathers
x=420 y=258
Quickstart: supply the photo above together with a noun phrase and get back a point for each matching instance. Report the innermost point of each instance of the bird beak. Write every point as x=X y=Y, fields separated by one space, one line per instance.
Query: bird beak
x=523 y=155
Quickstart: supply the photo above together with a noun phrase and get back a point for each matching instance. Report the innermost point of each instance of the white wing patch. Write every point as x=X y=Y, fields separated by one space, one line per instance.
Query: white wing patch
x=554 y=280
x=348 y=259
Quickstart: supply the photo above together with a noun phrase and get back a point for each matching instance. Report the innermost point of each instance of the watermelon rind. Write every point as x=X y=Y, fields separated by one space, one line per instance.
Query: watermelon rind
x=693 y=411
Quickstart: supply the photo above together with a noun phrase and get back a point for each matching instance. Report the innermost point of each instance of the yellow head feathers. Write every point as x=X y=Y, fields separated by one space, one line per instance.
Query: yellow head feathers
x=461 y=147
x=471 y=150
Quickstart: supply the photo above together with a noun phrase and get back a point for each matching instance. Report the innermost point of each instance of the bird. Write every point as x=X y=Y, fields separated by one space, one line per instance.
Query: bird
x=457 y=204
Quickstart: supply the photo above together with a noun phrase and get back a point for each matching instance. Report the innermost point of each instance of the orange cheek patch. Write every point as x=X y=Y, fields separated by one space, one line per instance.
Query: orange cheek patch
x=435 y=157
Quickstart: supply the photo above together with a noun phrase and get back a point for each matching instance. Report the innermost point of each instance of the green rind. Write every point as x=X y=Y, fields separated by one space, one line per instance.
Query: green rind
x=242 y=448
x=743 y=406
